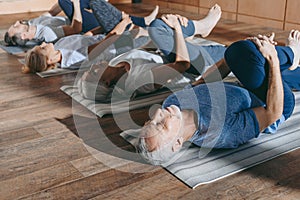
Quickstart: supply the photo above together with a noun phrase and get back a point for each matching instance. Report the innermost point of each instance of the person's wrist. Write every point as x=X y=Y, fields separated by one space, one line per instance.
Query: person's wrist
x=273 y=60
x=177 y=27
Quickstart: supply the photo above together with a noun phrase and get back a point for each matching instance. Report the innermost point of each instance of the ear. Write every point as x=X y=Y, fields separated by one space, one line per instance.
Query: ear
x=178 y=144
x=25 y=69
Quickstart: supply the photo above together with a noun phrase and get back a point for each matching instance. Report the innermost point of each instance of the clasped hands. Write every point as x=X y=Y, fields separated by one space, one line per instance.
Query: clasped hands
x=265 y=44
x=175 y=20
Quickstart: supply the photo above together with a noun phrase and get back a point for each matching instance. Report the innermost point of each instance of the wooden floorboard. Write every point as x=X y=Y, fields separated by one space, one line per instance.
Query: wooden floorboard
x=42 y=157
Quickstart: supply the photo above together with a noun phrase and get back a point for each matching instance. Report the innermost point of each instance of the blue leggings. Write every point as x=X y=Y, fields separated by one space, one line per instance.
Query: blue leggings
x=109 y=16
x=200 y=56
x=251 y=68
x=89 y=21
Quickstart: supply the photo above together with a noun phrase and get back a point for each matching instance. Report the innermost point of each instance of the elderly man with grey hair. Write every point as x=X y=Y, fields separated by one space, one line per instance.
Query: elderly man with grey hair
x=225 y=115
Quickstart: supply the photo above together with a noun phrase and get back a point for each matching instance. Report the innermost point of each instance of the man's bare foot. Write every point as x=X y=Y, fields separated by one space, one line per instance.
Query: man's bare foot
x=206 y=25
x=293 y=42
x=152 y=16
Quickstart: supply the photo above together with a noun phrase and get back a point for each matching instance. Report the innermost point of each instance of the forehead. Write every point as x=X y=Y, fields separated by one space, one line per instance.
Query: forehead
x=16 y=28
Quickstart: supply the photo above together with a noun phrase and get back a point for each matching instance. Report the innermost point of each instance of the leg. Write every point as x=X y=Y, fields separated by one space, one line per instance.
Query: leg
x=145 y=21
x=292 y=78
x=106 y=14
x=67 y=7
x=163 y=37
x=109 y=16
x=89 y=21
x=204 y=26
x=293 y=42
x=251 y=68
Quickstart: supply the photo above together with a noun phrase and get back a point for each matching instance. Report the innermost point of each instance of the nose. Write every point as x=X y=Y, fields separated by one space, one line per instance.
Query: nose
x=158 y=114
x=43 y=44
x=16 y=23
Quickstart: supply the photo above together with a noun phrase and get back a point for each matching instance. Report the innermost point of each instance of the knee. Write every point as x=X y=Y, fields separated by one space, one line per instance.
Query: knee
x=157 y=23
x=64 y=3
x=158 y=27
x=242 y=54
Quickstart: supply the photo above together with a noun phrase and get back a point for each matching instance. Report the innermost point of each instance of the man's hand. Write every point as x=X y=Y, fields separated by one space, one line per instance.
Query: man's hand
x=171 y=20
x=266 y=46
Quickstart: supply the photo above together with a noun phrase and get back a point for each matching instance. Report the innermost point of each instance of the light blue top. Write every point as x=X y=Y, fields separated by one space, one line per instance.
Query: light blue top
x=74 y=49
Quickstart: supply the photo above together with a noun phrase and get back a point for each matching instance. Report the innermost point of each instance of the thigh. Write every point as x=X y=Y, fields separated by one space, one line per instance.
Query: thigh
x=247 y=63
x=106 y=14
x=67 y=7
x=163 y=36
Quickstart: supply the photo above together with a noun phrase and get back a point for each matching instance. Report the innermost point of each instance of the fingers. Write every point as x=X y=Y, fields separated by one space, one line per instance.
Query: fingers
x=256 y=41
x=267 y=38
x=165 y=19
x=183 y=20
x=175 y=20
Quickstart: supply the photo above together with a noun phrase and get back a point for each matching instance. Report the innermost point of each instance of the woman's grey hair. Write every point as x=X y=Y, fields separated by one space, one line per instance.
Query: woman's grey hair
x=161 y=156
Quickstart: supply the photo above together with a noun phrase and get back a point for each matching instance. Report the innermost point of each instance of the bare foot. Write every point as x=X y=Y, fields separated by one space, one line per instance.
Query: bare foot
x=152 y=16
x=206 y=25
x=293 y=42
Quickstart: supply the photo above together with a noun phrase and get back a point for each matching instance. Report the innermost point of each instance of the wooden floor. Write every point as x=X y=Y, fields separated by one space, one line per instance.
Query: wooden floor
x=42 y=158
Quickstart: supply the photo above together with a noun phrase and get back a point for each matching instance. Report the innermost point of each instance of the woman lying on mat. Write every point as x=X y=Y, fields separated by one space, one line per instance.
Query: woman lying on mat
x=50 y=29
x=71 y=51
x=223 y=115
x=139 y=72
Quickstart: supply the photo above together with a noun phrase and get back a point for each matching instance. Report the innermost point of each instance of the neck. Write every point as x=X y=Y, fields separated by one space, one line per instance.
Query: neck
x=189 y=124
x=56 y=57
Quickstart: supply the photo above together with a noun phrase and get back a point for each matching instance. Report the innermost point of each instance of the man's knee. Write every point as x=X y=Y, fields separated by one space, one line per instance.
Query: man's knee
x=159 y=27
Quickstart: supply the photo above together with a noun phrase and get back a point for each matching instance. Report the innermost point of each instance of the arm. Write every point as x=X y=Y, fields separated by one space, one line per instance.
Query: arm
x=216 y=72
x=54 y=10
x=95 y=31
x=162 y=74
x=269 y=114
x=76 y=26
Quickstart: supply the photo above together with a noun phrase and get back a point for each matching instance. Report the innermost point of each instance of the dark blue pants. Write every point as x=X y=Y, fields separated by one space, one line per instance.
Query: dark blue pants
x=252 y=69
x=89 y=21
x=109 y=16
x=200 y=56
x=292 y=78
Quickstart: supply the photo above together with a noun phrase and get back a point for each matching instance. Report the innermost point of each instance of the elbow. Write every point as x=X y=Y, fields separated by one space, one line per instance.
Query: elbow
x=77 y=27
x=274 y=115
x=183 y=65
